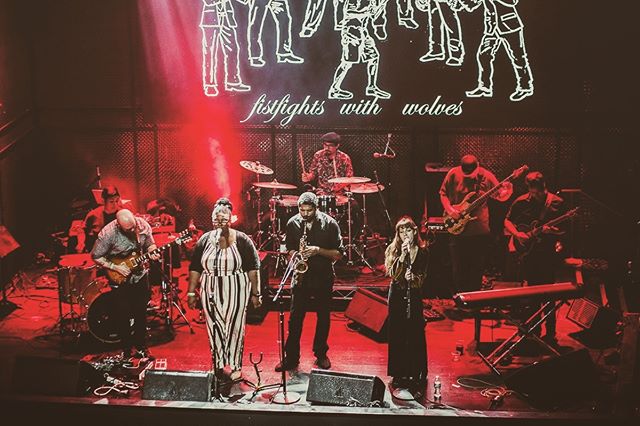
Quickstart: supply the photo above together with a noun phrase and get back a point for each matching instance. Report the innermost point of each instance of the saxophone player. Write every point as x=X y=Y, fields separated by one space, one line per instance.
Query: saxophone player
x=321 y=248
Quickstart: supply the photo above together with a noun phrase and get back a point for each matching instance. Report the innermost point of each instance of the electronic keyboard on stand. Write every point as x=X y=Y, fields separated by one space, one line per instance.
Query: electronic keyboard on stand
x=552 y=296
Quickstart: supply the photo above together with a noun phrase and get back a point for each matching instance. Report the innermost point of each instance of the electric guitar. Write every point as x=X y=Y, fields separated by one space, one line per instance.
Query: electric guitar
x=466 y=206
x=135 y=261
x=534 y=231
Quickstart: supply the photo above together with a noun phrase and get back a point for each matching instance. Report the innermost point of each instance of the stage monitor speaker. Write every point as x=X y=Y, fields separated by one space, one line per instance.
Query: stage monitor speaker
x=368 y=309
x=335 y=388
x=600 y=323
x=556 y=382
x=36 y=375
x=169 y=385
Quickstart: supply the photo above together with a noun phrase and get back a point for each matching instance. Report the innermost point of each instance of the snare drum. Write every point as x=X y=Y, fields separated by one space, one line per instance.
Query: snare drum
x=99 y=305
x=75 y=273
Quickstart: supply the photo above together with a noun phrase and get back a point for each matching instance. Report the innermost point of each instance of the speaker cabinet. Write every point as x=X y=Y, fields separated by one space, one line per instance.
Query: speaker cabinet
x=335 y=388
x=35 y=375
x=177 y=385
x=558 y=381
x=368 y=309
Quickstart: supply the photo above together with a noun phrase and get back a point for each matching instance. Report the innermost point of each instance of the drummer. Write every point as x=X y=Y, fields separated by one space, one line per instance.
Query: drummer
x=327 y=163
x=97 y=218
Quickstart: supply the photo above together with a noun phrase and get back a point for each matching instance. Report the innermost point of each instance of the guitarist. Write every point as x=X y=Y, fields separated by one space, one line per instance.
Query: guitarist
x=539 y=266
x=120 y=238
x=468 y=250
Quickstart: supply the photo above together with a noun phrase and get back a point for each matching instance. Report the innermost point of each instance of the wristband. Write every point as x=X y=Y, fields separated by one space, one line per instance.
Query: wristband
x=256 y=294
x=191 y=293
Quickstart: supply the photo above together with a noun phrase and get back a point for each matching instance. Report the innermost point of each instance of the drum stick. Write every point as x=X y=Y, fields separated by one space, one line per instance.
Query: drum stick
x=301 y=159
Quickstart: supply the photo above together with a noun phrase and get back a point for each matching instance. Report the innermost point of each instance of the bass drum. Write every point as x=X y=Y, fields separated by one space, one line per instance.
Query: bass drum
x=99 y=304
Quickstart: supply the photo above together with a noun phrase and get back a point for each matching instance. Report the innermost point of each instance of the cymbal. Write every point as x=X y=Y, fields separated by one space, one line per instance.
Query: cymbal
x=349 y=180
x=256 y=167
x=367 y=188
x=274 y=184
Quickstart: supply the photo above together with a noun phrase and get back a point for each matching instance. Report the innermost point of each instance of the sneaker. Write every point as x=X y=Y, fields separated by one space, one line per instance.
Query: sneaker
x=323 y=363
x=286 y=365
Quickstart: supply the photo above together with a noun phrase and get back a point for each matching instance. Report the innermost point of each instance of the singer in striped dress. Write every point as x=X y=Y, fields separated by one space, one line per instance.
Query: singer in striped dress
x=406 y=261
x=225 y=266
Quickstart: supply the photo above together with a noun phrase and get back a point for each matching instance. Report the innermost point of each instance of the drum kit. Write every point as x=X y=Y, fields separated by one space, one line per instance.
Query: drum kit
x=283 y=206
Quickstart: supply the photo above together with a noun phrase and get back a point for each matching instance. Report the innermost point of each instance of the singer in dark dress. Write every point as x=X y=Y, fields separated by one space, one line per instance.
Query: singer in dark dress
x=406 y=261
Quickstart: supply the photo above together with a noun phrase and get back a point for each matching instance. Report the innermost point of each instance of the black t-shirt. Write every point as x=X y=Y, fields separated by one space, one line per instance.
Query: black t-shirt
x=324 y=233
x=525 y=210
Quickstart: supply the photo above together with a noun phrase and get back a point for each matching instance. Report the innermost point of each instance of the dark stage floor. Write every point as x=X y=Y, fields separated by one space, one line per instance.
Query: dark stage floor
x=468 y=385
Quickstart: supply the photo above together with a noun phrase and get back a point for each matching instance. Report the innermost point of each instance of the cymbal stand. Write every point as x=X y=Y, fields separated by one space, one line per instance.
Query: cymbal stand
x=384 y=204
x=275 y=234
x=259 y=218
x=169 y=289
x=73 y=316
x=351 y=246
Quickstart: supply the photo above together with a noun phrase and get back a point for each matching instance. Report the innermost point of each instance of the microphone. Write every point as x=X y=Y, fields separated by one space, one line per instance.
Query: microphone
x=383 y=155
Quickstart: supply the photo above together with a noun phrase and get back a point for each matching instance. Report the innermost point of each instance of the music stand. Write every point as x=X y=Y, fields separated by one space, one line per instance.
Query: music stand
x=7 y=245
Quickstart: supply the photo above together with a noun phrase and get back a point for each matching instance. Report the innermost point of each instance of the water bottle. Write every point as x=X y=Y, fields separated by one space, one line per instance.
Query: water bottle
x=437 y=389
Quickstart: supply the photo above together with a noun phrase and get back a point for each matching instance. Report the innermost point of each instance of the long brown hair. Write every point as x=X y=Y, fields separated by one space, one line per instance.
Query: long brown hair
x=393 y=250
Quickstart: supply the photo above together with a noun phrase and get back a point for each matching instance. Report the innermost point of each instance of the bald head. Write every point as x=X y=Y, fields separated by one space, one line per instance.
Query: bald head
x=126 y=220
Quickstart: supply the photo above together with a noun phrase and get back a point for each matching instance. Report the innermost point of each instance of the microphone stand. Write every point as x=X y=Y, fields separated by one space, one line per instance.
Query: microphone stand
x=284 y=397
x=384 y=205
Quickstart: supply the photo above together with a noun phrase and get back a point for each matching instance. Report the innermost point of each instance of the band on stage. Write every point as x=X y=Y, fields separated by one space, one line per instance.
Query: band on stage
x=115 y=255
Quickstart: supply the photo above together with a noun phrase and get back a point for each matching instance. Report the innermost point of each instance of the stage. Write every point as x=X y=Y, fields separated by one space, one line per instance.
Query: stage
x=33 y=330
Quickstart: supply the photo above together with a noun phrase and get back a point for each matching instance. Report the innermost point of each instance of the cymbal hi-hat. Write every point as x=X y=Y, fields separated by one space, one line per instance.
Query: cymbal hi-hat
x=349 y=180
x=256 y=167
x=367 y=188
x=274 y=184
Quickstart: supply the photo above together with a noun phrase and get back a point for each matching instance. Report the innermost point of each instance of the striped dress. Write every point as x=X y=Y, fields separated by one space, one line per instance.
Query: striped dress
x=225 y=290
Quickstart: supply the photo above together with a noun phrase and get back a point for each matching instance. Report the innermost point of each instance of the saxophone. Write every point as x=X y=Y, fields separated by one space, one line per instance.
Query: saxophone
x=298 y=264
x=301 y=265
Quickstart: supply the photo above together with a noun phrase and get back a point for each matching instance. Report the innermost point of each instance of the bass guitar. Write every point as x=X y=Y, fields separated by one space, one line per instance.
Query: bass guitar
x=471 y=202
x=534 y=232
x=134 y=261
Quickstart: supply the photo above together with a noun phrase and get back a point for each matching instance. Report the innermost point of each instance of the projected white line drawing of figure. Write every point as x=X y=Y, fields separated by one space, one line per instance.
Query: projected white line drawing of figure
x=353 y=20
x=313 y=16
x=445 y=33
x=406 y=13
x=218 y=26
x=281 y=13
x=502 y=26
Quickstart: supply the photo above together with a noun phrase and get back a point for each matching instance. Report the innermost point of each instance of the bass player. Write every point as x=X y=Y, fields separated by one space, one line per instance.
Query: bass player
x=119 y=238
x=468 y=248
